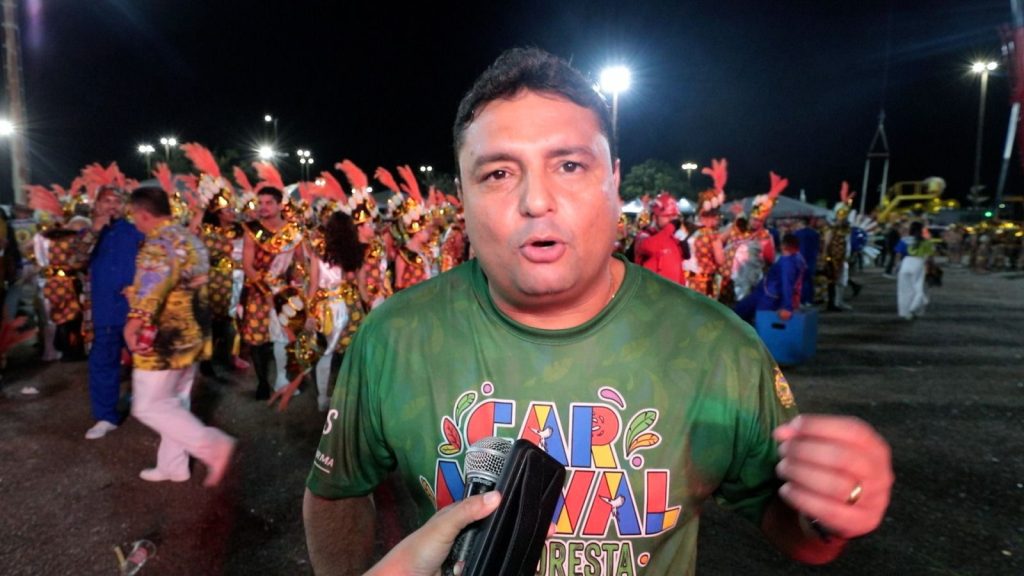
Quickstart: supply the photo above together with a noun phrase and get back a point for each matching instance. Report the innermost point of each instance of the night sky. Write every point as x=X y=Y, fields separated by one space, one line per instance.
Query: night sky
x=794 y=87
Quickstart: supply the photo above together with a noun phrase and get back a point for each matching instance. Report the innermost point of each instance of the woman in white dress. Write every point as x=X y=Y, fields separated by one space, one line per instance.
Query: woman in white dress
x=914 y=250
x=333 y=293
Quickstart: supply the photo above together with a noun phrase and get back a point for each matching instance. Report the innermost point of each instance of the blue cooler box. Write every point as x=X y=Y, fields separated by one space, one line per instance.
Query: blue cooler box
x=790 y=342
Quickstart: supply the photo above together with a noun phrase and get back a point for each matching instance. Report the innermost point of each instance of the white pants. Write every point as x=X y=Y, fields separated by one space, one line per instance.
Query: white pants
x=910 y=289
x=161 y=400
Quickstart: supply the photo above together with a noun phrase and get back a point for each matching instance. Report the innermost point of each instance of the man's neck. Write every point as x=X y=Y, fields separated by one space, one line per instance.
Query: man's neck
x=272 y=224
x=555 y=315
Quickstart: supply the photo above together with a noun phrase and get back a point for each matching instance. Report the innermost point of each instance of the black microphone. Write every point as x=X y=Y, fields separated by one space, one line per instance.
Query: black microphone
x=484 y=462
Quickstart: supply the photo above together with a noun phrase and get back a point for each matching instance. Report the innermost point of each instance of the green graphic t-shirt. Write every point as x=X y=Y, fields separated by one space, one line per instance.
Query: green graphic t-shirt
x=662 y=400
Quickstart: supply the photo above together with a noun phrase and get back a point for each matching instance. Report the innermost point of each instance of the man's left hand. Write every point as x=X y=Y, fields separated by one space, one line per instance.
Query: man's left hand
x=837 y=470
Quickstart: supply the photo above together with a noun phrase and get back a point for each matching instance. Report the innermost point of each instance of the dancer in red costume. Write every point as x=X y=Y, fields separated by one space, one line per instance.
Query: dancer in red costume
x=657 y=248
x=707 y=242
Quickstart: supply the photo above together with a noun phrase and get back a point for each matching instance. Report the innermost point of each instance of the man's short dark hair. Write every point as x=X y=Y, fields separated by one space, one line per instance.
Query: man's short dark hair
x=151 y=199
x=791 y=241
x=278 y=195
x=531 y=69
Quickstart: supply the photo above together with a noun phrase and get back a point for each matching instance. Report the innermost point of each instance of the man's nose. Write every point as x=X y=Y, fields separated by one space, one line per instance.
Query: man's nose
x=537 y=196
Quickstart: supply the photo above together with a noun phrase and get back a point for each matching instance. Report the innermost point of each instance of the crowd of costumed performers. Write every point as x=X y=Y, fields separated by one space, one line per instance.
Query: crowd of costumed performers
x=291 y=274
x=745 y=263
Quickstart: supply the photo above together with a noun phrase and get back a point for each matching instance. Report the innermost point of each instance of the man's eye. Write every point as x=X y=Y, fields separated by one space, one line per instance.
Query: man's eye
x=496 y=175
x=570 y=166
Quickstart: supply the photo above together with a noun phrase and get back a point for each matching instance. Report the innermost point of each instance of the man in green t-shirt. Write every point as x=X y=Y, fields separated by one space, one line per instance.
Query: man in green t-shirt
x=654 y=397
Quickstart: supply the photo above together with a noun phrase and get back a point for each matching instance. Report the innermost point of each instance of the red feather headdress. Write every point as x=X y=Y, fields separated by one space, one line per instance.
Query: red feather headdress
x=354 y=174
x=269 y=176
x=242 y=180
x=202 y=159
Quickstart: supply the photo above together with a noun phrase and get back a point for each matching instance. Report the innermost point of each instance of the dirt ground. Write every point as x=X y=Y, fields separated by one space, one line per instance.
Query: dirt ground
x=947 y=391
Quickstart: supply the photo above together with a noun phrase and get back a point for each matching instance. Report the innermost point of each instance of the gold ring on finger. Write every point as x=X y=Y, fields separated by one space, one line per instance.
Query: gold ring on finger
x=855 y=494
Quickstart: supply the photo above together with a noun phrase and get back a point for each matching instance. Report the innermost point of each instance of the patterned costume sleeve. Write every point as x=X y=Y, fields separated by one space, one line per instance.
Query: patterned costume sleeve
x=155 y=275
x=353 y=456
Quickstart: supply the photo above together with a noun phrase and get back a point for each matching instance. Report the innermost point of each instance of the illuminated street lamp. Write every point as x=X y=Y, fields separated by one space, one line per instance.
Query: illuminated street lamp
x=147 y=150
x=426 y=169
x=268 y=119
x=6 y=128
x=305 y=162
x=266 y=153
x=168 y=142
x=689 y=167
x=982 y=68
x=614 y=80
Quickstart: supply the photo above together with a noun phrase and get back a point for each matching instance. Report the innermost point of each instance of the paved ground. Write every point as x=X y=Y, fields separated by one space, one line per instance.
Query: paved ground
x=947 y=390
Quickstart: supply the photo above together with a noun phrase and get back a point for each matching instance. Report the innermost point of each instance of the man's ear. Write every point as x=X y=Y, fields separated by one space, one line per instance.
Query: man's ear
x=458 y=190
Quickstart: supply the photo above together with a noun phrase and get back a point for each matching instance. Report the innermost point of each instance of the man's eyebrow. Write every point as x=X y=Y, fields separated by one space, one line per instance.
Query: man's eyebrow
x=569 y=151
x=493 y=157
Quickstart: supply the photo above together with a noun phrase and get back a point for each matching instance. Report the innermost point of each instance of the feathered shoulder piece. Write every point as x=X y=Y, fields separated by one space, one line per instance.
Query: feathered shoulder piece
x=269 y=176
x=202 y=159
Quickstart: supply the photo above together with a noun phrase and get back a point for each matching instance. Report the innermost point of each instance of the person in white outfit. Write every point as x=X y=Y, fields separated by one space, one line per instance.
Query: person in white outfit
x=913 y=252
x=335 y=305
x=166 y=342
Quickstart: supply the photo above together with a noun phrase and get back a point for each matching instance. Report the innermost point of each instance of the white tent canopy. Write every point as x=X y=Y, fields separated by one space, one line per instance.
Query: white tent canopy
x=635 y=206
x=784 y=208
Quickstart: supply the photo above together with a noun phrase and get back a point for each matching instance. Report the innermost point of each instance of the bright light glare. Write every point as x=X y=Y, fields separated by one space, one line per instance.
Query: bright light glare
x=615 y=79
x=689 y=166
x=146 y=149
x=268 y=118
x=6 y=127
x=266 y=152
x=979 y=67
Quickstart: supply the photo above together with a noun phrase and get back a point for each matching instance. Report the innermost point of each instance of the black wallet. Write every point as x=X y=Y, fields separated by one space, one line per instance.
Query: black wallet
x=511 y=539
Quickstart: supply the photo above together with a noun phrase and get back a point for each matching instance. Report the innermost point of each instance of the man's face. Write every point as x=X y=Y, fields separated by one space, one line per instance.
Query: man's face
x=366 y=232
x=540 y=194
x=663 y=220
x=109 y=204
x=267 y=207
x=144 y=221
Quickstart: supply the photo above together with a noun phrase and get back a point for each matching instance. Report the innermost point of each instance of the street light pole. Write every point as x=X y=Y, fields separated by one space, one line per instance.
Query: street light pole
x=614 y=80
x=982 y=68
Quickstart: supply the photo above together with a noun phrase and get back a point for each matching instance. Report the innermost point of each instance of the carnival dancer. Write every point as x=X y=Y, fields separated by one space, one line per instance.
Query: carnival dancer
x=336 y=255
x=758 y=242
x=415 y=262
x=657 y=248
x=780 y=289
x=59 y=267
x=220 y=233
x=707 y=243
x=454 y=245
x=166 y=341
x=271 y=246
x=913 y=251
x=836 y=246
x=373 y=277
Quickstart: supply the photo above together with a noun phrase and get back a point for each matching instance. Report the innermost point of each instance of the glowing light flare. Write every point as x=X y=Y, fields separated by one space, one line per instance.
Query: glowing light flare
x=265 y=152
x=979 y=67
x=615 y=79
x=6 y=128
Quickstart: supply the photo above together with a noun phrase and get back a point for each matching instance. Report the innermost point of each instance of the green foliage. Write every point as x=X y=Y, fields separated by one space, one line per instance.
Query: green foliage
x=651 y=177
